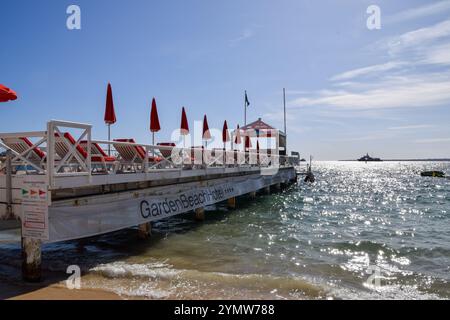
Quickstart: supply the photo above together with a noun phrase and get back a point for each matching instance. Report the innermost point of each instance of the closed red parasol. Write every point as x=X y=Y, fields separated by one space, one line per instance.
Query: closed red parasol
x=238 y=136
x=110 y=115
x=206 y=133
x=7 y=94
x=184 y=128
x=248 y=142
x=154 y=121
x=225 y=133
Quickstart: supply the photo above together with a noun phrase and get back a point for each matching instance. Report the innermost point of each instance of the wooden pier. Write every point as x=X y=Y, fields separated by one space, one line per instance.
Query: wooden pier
x=62 y=186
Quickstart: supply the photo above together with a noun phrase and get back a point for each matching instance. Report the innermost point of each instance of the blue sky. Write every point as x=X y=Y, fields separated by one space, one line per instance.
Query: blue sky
x=350 y=90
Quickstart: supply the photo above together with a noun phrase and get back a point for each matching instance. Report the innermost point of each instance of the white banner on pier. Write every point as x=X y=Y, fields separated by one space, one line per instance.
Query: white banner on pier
x=106 y=213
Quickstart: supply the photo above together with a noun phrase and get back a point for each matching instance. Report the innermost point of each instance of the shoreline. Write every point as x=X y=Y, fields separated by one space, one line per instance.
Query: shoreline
x=59 y=292
x=400 y=160
x=50 y=290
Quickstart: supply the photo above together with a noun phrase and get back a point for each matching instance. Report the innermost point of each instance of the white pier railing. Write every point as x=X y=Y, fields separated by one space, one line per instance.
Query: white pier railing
x=60 y=152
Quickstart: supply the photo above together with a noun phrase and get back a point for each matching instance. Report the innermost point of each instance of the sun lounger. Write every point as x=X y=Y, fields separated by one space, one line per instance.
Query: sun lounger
x=197 y=155
x=24 y=147
x=62 y=145
x=96 y=150
x=132 y=155
x=166 y=152
x=98 y=154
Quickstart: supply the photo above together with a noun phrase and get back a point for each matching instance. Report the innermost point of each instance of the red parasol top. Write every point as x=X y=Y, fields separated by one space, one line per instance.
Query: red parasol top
x=225 y=133
x=154 y=119
x=7 y=94
x=248 y=142
x=238 y=136
x=184 y=123
x=206 y=133
x=110 y=115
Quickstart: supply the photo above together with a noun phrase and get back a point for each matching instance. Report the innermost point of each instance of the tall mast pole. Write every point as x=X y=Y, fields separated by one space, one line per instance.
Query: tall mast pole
x=245 y=108
x=285 y=133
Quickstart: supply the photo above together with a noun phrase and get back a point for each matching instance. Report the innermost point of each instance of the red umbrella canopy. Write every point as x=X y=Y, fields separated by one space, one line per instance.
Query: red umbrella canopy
x=7 y=94
x=110 y=115
x=184 y=123
x=238 y=136
x=206 y=133
x=154 y=119
x=225 y=133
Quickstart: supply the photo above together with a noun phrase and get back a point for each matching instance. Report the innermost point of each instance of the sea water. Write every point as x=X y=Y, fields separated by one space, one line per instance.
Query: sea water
x=361 y=231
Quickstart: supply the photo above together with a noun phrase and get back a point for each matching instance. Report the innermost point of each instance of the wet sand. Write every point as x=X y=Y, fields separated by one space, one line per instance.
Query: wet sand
x=49 y=290
x=58 y=292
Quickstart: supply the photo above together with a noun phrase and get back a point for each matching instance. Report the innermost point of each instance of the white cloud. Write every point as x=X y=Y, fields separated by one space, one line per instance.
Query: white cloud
x=391 y=92
x=417 y=37
x=402 y=83
x=246 y=34
x=370 y=70
x=419 y=12
x=432 y=140
x=438 y=55
x=412 y=127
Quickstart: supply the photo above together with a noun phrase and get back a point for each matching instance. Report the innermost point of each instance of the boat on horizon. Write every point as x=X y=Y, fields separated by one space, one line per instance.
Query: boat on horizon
x=368 y=158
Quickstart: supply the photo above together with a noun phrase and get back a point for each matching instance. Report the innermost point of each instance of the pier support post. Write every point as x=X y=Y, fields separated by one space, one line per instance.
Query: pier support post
x=267 y=190
x=145 y=230
x=200 y=214
x=8 y=190
x=252 y=194
x=31 y=260
x=231 y=202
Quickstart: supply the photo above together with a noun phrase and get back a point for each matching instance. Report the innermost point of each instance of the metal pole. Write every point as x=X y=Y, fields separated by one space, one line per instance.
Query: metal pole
x=9 y=211
x=285 y=133
x=153 y=143
x=109 y=139
x=245 y=108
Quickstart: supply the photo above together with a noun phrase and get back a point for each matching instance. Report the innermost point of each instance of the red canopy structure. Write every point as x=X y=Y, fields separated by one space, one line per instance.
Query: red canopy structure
x=154 y=121
x=184 y=127
x=7 y=94
x=264 y=130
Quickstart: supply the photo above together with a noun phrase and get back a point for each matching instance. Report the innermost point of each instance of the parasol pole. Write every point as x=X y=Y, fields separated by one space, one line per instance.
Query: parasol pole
x=153 y=143
x=109 y=139
x=285 y=133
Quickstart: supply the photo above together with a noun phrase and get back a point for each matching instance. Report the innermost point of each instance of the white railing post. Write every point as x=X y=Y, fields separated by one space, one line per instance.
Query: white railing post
x=50 y=152
x=146 y=159
x=9 y=209
x=89 y=153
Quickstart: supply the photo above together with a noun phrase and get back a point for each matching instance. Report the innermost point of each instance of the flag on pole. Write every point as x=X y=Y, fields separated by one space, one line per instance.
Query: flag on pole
x=247 y=103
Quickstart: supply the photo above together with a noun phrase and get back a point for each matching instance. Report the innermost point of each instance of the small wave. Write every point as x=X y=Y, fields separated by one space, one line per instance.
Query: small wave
x=166 y=282
x=123 y=270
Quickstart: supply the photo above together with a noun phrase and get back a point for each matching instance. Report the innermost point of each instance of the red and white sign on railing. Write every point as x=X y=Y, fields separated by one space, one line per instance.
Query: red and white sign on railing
x=35 y=201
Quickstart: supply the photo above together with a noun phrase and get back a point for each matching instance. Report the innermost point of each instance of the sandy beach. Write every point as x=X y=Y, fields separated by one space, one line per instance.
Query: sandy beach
x=56 y=291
